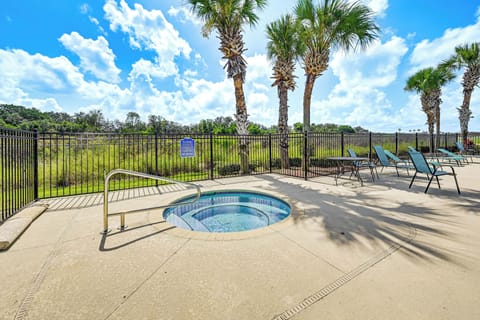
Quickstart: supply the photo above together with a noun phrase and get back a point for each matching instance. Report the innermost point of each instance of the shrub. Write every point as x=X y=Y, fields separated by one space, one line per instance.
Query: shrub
x=63 y=180
x=231 y=169
x=295 y=162
x=315 y=162
x=276 y=164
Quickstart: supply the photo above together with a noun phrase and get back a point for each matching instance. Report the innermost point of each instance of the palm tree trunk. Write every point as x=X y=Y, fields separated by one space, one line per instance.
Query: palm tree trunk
x=438 y=101
x=242 y=123
x=464 y=113
x=471 y=78
x=307 y=100
x=437 y=119
x=283 y=125
x=428 y=106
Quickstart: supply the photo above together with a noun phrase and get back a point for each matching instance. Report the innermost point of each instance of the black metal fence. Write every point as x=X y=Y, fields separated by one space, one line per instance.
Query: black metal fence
x=51 y=165
x=18 y=167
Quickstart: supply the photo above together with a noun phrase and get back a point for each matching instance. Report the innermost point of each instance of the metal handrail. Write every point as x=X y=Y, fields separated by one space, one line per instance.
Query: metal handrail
x=142 y=175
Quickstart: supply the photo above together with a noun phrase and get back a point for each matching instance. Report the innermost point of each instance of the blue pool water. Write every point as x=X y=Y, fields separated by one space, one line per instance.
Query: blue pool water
x=228 y=211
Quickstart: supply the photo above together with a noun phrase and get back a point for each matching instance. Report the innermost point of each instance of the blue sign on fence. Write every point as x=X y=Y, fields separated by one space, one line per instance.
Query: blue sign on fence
x=187 y=148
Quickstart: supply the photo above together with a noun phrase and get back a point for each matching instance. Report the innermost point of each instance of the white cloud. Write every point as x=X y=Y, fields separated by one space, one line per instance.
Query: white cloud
x=94 y=20
x=54 y=84
x=95 y=56
x=412 y=110
x=358 y=99
x=36 y=72
x=184 y=15
x=148 y=30
x=85 y=8
x=376 y=67
x=258 y=67
x=429 y=53
x=361 y=105
x=377 y=6
x=149 y=69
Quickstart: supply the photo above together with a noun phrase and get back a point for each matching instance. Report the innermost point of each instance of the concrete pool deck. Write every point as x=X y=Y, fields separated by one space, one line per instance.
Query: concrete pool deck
x=381 y=251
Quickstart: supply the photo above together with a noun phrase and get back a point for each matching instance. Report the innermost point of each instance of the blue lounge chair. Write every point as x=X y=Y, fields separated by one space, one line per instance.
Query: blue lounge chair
x=422 y=166
x=384 y=160
x=465 y=152
x=450 y=156
x=394 y=157
x=401 y=163
x=363 y=164
x=430 y=160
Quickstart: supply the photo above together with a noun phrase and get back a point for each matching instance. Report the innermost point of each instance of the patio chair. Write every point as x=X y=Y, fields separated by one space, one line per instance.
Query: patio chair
x=383 y=160
x=395 y=158
x=363 y=164
x=422 y=166
x=430 y=159
x=465 y=152
x=450 y=156
x=399 y=163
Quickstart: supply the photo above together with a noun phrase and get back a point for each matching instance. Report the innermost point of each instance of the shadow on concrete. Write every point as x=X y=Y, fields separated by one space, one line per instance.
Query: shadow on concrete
x=360 y=212
x=103 y=240
x=96 y=199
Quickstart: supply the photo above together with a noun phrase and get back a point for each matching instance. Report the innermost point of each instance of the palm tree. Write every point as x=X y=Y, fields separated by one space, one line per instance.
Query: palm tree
x=283 y=47
x=428 y=82
x=227 y=17
x=333 y=24
x=466 y=56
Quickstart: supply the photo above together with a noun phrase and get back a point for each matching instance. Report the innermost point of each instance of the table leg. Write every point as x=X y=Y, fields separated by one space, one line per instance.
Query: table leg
x=356 y=172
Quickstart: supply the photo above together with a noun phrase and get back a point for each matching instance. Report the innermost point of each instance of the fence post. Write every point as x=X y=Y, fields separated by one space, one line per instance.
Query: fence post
x=305 y=154
x=211 y=156
x=156 y=157
x=416 y=141
x=370 y=146
x=35 y=165
x=342 y=143
x=396 y=142
x=446 y=140
x=270 y=151
x=432 y=142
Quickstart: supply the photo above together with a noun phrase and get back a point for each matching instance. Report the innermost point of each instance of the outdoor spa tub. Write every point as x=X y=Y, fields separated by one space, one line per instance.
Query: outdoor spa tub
x=228 y=211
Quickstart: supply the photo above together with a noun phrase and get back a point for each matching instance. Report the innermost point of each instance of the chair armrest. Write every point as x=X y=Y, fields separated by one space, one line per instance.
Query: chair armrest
x=441 y=167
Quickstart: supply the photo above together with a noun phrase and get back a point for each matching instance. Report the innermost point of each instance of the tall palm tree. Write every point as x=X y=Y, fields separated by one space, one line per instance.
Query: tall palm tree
x=428 y=82
x=466 y=56
x=227 y=17
x=334 y=24
x=283 y=48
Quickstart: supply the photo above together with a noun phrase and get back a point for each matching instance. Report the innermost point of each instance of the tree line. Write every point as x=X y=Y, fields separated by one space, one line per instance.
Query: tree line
x=31 y=119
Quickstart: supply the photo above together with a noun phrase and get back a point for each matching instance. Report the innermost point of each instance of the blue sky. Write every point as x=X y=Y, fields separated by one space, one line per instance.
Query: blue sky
x=148 y=56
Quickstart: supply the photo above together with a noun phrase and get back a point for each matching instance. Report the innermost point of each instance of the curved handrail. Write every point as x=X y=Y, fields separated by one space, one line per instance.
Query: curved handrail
x=141 y=175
